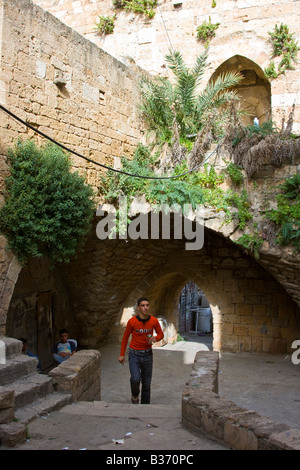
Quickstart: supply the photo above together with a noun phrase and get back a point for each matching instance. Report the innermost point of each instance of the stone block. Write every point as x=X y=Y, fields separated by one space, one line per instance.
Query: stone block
x=241 y=330
x=287 y=440
x=239 y=439
x=79 y=375
x=7 y=398
x=12 y=434
x=7 y=415
x=12 y=346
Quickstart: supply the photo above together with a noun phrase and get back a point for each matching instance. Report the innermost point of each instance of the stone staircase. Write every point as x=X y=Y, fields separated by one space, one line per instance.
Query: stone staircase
x=25 y=393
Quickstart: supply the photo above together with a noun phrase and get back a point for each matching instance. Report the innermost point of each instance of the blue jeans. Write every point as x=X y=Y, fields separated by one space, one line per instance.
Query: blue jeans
x=59 y=359
x=140 y=366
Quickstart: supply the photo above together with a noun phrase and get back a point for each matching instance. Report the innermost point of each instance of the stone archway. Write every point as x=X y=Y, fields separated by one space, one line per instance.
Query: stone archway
x=254 y=90
x=251 y=311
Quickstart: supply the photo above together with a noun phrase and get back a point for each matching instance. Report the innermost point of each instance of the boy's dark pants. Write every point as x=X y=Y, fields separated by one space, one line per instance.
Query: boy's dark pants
x=140 y=366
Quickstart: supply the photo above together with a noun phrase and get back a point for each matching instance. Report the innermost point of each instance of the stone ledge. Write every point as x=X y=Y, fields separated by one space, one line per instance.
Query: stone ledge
x=79 y=376
x=204 y=411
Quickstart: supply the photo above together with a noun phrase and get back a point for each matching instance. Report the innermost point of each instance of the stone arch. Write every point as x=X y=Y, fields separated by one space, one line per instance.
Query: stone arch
x=96 y=291
x=7 y=289
x=254 y=90
x=39 y=306
x=163 y=286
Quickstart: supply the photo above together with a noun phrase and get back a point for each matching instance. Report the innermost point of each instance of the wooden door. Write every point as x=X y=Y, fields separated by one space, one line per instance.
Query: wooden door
x=45 y=329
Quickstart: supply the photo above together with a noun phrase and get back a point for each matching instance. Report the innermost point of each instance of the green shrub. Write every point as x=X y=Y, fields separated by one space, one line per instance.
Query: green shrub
x=235 y=173
x=287 y=214
x=251 y=243
x=169 y=191
x=48 y=209
x=207 y=30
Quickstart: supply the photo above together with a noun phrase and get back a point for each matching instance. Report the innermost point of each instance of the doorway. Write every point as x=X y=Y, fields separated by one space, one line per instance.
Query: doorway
x=195 y=314
x=45 y=328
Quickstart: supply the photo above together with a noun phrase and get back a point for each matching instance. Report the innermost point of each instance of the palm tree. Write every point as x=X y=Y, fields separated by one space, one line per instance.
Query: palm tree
x=177 y=111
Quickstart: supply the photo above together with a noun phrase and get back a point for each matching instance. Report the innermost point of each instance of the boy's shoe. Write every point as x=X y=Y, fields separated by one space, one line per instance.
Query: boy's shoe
x=134 y=400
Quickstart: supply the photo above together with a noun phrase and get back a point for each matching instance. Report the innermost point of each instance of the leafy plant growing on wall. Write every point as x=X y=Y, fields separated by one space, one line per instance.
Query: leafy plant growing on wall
x=283 y=44
x=287 y=214
x=195 y=188
x=172 y=191
x=235 y=173
x=106 y=24
x=176 y=112
x=206 y=31
x=48 y=209
x=142 y=7
x=251 y=243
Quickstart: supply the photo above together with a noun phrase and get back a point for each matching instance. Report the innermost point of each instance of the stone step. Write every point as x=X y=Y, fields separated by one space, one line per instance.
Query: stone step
x=16 y=367
x=12 y=346
x=29 y=388
x=42 y=406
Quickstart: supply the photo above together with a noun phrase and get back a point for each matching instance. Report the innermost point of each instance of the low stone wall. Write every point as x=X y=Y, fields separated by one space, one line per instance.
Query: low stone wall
x=205 y=411
x=79 y=376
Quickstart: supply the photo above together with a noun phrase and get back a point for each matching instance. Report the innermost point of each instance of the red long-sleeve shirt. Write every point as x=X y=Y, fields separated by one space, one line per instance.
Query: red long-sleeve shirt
x=140 y=329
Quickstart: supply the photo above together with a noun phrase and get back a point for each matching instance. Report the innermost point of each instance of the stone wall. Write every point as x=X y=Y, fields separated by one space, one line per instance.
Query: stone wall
x=243 y=33
x=205 y=411
x=251 y=311
x=75 y=92
x=68 y=88
x=79 y=376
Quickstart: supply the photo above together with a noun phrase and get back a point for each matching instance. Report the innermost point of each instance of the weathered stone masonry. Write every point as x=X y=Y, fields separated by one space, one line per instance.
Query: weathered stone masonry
x=78 y=94
x=242 y=35
x=64 y=85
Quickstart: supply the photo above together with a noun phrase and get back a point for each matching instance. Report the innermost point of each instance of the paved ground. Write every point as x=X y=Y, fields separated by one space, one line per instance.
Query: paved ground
x=267 y=384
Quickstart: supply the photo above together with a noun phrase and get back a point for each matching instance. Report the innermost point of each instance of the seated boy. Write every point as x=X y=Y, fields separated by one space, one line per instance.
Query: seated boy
x=64 y=348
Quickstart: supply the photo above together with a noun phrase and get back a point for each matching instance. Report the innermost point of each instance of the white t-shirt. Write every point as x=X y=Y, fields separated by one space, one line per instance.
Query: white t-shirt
x=64 y=347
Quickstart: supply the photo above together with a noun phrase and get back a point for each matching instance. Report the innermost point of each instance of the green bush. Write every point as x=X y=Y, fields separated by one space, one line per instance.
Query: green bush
x=48 y=209
x=235 y=173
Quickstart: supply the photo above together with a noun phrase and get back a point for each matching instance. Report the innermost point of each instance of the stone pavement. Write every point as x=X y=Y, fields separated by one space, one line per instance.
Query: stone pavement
x=268 y=384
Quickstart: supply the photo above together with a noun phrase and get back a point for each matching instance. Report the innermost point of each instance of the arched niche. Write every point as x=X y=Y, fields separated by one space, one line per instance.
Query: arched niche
x=254 y=90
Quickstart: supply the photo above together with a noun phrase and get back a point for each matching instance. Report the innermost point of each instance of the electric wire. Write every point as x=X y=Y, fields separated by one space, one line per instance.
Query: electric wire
x=166 y=31
x=10 y=113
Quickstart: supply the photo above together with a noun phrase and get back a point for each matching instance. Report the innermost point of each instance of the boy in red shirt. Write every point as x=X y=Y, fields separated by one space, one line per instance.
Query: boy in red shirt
x=140 y=350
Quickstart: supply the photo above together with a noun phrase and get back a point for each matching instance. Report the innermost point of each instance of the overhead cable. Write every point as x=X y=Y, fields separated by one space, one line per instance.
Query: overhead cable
x=10 y=113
